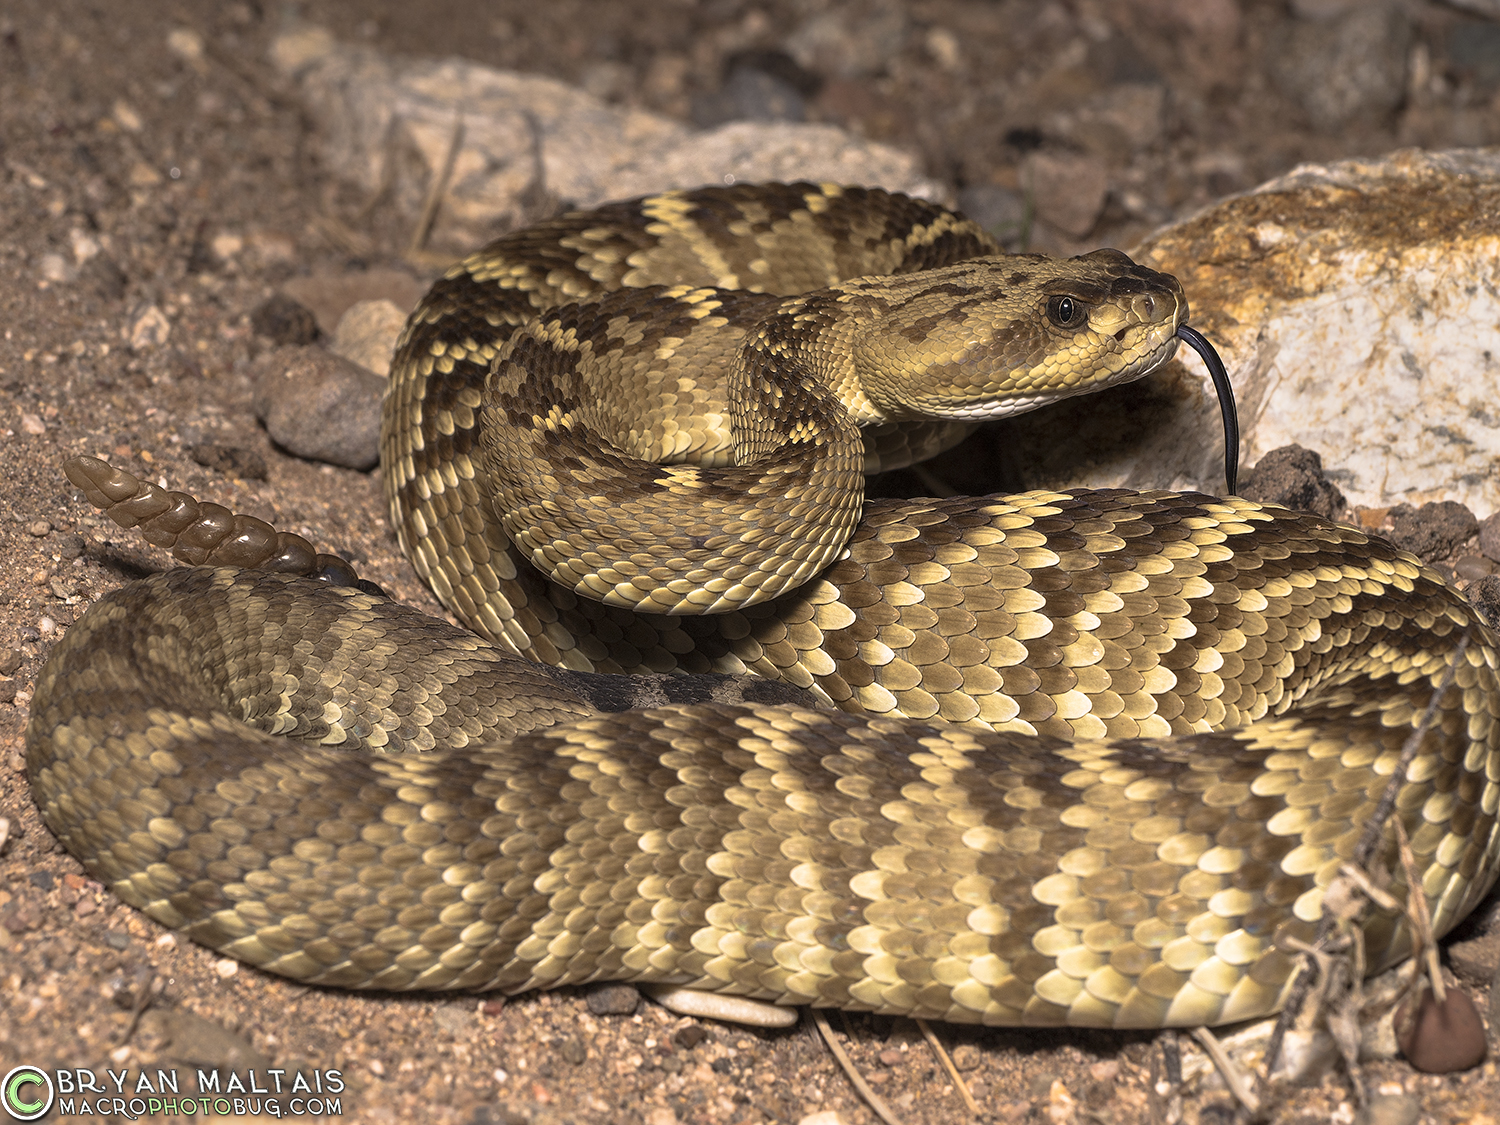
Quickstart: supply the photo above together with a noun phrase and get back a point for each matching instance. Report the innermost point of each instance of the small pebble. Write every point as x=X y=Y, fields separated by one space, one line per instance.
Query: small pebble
x=10 y=660
x=573 y=1051
x=85 y=245
x=224 y=968
x=320 y=406
x=690 y=1036
x=33 y=425
x=185 y=43
x=613 y=999
x=1441 y=1038
x=966 y=1056
x=39 y=528
x=226 y=246
x=126 y=117
x=890 y=1057
x=148 y=328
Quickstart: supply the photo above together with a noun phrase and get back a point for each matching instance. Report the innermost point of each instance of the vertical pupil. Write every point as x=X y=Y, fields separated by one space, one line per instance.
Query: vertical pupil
x=1065 y=309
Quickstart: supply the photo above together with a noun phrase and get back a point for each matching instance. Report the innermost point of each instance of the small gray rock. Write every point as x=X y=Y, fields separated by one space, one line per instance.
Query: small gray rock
x=613 y=999
x=320 y=406
x=1489 y=537
x=1433 y=531
x=1293 y=477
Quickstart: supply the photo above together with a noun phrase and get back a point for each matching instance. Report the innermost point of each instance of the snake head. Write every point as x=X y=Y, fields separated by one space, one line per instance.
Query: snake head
x=995 y=337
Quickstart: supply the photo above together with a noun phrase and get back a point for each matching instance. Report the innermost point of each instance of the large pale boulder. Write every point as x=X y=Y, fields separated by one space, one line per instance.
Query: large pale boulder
x=1357 y=307
x=514 y=146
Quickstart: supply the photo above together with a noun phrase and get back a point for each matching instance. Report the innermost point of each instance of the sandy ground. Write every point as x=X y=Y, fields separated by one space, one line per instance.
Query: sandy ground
x=134 y=178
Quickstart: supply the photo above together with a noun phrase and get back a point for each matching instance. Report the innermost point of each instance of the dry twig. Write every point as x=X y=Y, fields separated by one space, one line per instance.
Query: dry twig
x=942 y=1054
x=872 y=1099
x=1233 y=1076
x=436 y=190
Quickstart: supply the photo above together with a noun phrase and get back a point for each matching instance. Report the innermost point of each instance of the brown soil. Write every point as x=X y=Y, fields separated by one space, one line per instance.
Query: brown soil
x=199 y=185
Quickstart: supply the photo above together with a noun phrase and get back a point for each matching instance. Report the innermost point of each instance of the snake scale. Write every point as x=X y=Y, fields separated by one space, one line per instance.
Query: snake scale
x=1078 y=757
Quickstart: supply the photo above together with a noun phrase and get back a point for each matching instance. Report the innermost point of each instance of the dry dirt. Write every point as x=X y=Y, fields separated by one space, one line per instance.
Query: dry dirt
x=134 y=176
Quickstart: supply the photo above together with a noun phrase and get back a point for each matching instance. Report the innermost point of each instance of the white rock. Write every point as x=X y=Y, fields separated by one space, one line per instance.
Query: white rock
x=1357 y=307
x=148 y=328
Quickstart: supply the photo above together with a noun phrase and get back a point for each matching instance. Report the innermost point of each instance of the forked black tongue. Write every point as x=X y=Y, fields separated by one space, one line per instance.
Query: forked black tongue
x=1195 y=340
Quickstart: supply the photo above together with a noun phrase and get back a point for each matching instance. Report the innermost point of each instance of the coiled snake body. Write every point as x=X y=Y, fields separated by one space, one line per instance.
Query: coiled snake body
x=1095 y=752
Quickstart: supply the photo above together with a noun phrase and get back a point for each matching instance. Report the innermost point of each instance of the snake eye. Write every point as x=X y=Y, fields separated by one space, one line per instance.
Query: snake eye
x=1067 y=312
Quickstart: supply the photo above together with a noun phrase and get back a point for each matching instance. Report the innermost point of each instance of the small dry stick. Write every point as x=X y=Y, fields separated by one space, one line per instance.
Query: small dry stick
x=872 y=1099
x=1234 y=1078
x=1419 y=916
x=437 y=190
x=942 y=1054
x=1362 y=852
